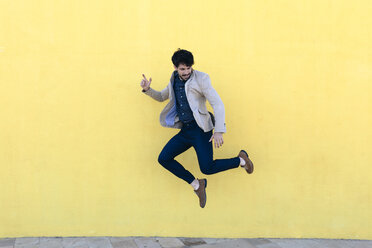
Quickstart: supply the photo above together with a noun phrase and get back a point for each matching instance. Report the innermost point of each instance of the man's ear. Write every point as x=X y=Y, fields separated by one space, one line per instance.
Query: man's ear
x=175 y=67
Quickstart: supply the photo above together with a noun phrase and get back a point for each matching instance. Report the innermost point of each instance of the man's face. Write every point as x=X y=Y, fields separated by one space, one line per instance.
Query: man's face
x=184 y=71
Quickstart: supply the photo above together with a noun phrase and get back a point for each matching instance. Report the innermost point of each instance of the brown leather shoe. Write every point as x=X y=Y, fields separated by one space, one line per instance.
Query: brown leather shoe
x=200 y=192
x=248 y=163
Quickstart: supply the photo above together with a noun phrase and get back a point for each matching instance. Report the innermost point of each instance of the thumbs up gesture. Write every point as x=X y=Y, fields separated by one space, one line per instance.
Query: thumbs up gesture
x=145 y=84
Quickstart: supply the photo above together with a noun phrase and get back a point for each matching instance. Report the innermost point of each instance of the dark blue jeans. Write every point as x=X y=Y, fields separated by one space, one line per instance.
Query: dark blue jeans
x=191 y=135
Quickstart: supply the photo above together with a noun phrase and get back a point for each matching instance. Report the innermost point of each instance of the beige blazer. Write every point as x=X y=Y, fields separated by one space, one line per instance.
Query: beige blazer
x=198 y=89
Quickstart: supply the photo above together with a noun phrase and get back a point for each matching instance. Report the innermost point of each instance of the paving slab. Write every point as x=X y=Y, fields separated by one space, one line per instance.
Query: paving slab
x=258 y=241
x=51 y=242
x=5 y=242
x=192 y=241
x=170 y=242
x=297 y=243
x=238 y=243
x=268 y=245
x=214 y=240
x=119 y=239
x=147 y=243
x=322 y=243
x=98 y=242
x=26 y=242
x=340 y=243
x=326 y=244
x=74 y=242
x=124 y=244
x=26 y=246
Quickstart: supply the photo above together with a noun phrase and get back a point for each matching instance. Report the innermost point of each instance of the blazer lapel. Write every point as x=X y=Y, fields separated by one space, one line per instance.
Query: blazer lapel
x=171 y=90
x=190 y=82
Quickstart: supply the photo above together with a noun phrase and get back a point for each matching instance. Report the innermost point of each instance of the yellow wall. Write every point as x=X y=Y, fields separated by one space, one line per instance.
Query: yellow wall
x=79 y=141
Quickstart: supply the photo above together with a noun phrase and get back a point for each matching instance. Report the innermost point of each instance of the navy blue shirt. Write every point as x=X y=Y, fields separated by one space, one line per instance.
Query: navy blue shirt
x=184 y=111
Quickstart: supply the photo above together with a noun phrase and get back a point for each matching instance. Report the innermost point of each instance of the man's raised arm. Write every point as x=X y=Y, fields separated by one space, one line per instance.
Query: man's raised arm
x=157 y=95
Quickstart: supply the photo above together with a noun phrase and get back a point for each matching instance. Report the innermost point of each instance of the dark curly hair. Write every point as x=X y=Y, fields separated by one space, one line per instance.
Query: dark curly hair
x=182 y=56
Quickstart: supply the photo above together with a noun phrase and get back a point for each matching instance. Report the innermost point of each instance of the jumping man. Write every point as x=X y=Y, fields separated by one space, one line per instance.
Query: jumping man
x=187 y=92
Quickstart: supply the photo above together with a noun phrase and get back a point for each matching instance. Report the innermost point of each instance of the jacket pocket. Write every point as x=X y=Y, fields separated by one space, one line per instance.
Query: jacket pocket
x=203 y=112
x=206 y=114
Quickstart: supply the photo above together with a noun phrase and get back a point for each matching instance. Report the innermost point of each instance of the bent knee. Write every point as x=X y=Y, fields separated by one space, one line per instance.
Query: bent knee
x=163 y=160
x=207 y=170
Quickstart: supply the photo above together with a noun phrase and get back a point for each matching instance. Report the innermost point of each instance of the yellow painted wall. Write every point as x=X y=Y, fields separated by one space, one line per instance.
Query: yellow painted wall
x=79 y=141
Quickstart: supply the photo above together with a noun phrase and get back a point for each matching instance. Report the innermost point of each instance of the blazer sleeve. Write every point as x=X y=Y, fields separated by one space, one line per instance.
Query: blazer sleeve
x=159 y=96
x=215 y=100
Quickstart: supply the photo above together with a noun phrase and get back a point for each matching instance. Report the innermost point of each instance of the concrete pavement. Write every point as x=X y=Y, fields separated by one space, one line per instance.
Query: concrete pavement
x=158 y=242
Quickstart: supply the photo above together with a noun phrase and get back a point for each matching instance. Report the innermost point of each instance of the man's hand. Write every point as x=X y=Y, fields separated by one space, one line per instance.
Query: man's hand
x=218 y=140
x=145 y=84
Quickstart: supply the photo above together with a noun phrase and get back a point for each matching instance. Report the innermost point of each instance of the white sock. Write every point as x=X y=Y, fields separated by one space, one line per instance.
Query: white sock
x=242 y=161
x=195 y=184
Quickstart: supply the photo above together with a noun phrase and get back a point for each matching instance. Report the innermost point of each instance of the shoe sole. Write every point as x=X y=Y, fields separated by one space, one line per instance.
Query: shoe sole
x=249 y=161
x=205 y=192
